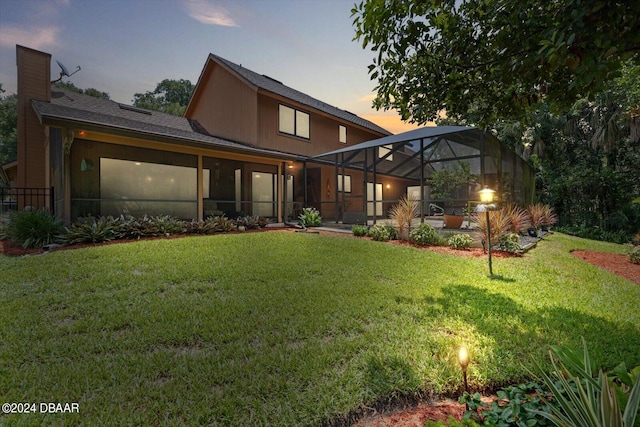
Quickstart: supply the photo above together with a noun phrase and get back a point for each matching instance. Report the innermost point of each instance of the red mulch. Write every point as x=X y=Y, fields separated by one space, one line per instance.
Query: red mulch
x=615 y=263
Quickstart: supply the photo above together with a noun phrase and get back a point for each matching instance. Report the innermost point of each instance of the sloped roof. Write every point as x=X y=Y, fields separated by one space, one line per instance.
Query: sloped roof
x=428 y=132
x=274 y=86
x=68 y=107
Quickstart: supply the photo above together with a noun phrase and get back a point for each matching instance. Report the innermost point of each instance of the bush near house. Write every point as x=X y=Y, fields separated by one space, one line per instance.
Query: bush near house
x=425 y=234
x=32 y=229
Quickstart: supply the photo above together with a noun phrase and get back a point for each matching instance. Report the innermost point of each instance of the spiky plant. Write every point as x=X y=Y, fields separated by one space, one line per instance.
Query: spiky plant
x=403 y=213
x=518 y=217
x=549 y=216
x=536 y=214
x=500 y=224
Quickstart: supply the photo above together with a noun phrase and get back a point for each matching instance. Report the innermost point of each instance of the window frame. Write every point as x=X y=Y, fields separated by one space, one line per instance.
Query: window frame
x=340 y=133
x=347 y=184
x=296 y=115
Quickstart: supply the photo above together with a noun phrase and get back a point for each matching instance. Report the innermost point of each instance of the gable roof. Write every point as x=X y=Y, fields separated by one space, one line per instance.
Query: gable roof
x=70 y=108
x=269 y=84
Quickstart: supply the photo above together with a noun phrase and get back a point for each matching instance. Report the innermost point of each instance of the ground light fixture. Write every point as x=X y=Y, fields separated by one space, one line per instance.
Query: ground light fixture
x=463 y=360
x=486 y=197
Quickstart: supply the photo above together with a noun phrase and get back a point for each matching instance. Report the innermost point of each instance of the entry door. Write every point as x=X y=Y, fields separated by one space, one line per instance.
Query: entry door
x=370 y=203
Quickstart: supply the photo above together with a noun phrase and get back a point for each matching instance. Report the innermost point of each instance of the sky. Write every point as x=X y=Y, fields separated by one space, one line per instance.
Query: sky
x=128 y=46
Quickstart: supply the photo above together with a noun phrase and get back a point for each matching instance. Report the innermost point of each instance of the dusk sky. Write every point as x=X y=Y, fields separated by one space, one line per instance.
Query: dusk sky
x=128 y=46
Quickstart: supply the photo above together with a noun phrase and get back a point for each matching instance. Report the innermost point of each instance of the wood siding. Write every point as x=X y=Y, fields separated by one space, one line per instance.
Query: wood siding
x=323 y=128
x=225 y=105
x=33 y=83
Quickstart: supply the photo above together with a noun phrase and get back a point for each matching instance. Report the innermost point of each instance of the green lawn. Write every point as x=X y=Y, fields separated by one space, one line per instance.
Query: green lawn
x=289 y=328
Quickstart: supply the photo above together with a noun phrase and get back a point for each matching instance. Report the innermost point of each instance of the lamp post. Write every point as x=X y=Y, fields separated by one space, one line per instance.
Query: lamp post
x=463 y=360
x=486 y=197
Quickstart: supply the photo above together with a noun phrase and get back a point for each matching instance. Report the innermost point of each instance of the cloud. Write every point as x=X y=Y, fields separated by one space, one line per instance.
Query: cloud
x=39 y=38
x=391 y=121
x=367 y=98
x=209 y=13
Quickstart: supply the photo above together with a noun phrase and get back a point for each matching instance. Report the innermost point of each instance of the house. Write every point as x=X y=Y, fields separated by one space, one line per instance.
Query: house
x=239 y=148
x=247 y=144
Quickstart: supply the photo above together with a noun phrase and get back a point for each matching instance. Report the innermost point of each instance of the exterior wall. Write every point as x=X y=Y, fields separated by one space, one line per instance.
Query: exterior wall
x=324 y=132
x=34 y=70
x=225 y=105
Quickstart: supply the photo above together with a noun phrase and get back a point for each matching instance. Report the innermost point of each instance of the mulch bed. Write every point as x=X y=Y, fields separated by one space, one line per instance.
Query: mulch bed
x=615 y=263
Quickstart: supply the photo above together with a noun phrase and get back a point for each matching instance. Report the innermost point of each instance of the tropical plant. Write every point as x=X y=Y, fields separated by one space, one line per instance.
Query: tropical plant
x=359 y=230
x=404 y=212
x=382 y=232
x=537 y=214
x=499 y=222
x=249 y=222
x=198 y=226
x=91 y=230
x=518 y=217
x=425 y=234
x=583 y=398
x=221 y=224
x=549 y=216
x=460 y=241
x=32 y=229
x=310 y=217
x=448 y=180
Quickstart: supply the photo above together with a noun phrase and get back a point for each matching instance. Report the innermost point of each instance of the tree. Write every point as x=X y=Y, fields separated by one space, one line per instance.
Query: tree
x=496 y=58
x=8 y=126
x=91 y=91
x=169 y=96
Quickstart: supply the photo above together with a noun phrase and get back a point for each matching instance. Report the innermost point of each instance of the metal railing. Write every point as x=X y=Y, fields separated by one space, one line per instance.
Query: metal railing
x=25 y=198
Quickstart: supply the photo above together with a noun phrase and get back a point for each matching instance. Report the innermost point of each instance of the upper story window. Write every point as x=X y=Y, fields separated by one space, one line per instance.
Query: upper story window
x=383 y=150
x=343 y=134
x=293 y=122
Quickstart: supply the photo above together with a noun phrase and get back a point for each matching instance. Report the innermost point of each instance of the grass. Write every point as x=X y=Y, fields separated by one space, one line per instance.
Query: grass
x=289 y=328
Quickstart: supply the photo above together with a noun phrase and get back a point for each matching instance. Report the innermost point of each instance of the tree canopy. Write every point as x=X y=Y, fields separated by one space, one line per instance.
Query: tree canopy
x=8 y=125
x=169 y=96
x=90 y=91
x=496 y=58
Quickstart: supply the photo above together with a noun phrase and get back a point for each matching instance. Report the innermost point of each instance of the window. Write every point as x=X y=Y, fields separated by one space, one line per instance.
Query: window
x=382 y=151
x=347 y=183
x=343 y=134
x=293 y=122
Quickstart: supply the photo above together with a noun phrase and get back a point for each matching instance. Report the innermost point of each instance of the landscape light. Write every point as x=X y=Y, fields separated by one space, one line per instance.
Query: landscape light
x=463 y=360
x=486 y=197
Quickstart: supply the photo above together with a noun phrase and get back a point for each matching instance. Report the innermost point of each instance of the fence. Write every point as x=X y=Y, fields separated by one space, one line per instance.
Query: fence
x=21 y=198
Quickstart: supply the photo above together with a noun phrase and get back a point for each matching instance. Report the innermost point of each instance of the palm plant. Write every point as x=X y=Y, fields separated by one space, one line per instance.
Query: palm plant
x=403 y=213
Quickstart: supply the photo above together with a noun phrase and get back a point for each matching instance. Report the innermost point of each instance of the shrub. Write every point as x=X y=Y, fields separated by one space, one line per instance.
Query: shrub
x=634 y=255
x=221 y=224
x=513 y=406
x=249 y=222
x=460 y=241
x=359 y=230
x=403 y=213
x=425 y=234
x=510 y=243
x=517 y=217
x=583 y=398
x=382 y=232
x=310 y=217
x=199 y=227
x=92 y=230
x=33 y=229
x=500 y=224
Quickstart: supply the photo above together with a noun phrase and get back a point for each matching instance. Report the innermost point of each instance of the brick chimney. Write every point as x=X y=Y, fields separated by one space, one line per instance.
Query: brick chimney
x=34 y=82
